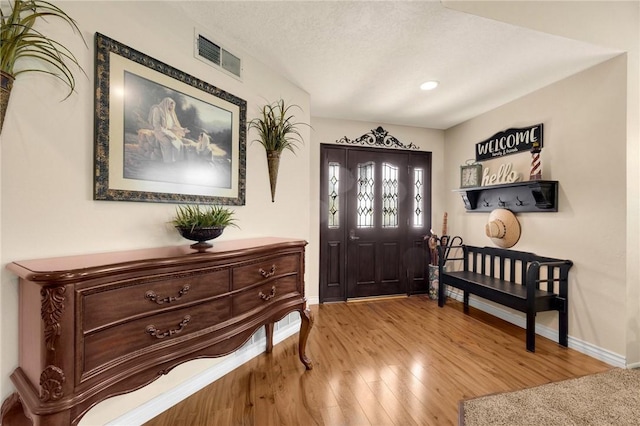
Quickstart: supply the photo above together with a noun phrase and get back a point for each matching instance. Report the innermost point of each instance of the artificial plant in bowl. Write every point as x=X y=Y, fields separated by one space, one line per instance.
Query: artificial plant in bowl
x=277 y=130
x=20 y=40
x=202 y=223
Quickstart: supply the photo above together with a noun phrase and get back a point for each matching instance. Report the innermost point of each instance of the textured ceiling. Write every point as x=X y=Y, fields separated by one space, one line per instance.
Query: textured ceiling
x=365 y=60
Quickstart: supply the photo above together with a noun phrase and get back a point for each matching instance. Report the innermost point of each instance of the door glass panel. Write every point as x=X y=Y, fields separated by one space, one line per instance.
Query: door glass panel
x=418 y=198
x=334 y=198
x=389 y=196
x=366 y=185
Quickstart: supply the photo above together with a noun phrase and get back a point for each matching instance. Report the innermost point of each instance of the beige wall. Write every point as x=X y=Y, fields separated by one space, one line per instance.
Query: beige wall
x=47 y=164
x=584 y=149
x=614 y=24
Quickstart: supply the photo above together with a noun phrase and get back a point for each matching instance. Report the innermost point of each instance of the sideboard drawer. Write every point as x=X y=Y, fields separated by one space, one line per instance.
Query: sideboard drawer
x=143 y=334
x=265 y=294
x=247 y=275
x=119 y=301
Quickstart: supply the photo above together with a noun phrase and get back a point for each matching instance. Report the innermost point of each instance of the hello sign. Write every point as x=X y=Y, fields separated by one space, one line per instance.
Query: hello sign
x=510 y=141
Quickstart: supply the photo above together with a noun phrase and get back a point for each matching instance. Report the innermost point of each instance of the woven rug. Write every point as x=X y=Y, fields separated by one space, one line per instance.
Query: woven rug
x=603 y=399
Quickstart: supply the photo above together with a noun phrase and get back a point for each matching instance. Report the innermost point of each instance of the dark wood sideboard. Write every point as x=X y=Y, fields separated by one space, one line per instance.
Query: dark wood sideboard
x=99 y=325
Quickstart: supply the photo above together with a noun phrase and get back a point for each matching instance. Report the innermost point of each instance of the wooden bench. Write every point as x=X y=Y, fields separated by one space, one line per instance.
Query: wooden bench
x=510 y=278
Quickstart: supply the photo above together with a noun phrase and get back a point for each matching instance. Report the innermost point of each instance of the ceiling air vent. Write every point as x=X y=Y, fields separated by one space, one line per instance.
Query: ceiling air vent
x=212 y=53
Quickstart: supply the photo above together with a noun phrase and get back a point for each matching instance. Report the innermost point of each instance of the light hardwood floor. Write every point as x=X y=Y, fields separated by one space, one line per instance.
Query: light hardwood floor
x=386 y=362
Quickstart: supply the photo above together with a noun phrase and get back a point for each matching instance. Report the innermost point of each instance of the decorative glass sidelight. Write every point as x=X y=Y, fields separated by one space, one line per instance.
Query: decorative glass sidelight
x=334 y=197
x=389 y=196
x=366 y=185
x=418 y=198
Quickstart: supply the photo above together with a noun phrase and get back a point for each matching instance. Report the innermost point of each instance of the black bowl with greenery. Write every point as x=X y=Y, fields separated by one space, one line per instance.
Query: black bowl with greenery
x=202 y=223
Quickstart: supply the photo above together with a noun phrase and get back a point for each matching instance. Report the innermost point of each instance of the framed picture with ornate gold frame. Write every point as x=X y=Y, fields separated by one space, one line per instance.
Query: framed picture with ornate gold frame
x=162 y=135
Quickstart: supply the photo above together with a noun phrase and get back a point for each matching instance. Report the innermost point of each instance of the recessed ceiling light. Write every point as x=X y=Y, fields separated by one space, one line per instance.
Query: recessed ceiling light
x=429 y=85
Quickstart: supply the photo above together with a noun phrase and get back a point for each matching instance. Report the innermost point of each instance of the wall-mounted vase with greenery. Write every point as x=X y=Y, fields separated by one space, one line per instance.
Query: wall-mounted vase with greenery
x=202 y=224
x=20 y=40
x=277 y=131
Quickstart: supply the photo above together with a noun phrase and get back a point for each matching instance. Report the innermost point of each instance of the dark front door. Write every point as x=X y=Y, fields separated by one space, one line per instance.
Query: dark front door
x=375 y=212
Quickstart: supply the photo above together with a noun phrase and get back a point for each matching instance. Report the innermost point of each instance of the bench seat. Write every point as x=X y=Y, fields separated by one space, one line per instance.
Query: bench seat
x=510 y=278
x=503 y=292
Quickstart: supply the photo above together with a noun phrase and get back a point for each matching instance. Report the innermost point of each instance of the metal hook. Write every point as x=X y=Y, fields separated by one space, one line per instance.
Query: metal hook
x=519 y=202
x=485 y=203
x=501 y=203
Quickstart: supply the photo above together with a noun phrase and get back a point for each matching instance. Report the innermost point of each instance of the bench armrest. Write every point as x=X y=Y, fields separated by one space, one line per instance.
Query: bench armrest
x=534 y=280
x=554 y=263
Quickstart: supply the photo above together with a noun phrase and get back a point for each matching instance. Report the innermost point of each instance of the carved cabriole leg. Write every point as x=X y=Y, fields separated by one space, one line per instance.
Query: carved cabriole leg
x=305 y=328
x=13 y=413
x=29 y=409
x=268 y=328
x=50 y=388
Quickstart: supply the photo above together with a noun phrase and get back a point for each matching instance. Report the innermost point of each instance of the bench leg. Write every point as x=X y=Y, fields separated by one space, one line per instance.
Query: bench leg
x=563 y=329
x=441 y=294
x=465 y=299
x=531 y=331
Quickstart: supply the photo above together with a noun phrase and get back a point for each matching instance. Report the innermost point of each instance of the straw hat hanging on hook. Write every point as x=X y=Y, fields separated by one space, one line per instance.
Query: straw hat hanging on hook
x=503 y=228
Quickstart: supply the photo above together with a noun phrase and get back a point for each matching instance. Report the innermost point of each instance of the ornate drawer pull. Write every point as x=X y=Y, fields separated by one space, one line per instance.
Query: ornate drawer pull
x=268 y=274
x=153 y=331
x=153 y=297
x=268 y=296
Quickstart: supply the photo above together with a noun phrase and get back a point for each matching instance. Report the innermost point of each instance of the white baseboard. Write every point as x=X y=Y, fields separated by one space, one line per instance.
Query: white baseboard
x=586 y=348
x=633 y=365
x=157 y=405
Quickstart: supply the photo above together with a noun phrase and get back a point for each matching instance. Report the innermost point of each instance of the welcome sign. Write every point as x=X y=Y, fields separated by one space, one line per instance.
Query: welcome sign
x=510 y=141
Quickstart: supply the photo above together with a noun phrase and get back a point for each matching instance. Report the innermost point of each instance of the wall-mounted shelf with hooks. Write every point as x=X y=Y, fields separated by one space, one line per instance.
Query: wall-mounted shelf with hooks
x=528 y=196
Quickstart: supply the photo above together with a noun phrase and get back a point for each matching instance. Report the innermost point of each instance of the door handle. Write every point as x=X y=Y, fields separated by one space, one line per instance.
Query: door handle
x=352 y=235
